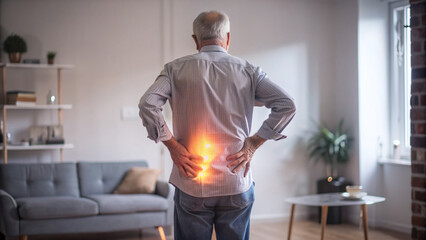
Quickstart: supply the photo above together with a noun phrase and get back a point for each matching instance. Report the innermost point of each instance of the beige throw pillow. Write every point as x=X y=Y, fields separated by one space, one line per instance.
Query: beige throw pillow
x=138 y=180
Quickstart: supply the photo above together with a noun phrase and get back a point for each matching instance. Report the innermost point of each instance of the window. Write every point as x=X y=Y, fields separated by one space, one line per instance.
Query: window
x=400 y=67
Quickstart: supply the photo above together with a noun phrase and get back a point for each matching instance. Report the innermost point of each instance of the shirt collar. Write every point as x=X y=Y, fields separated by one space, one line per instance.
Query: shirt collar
x=212 y=48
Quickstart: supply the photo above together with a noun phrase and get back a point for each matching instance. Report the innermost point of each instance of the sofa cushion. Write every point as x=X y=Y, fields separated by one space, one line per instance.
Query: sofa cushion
x=103 y=177
x=138 y=180
x=55 y=207
x=114 y=204
x=39 y=179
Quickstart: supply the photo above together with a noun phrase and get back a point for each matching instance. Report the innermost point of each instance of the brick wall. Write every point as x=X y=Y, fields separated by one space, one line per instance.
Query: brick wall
x=418 y=119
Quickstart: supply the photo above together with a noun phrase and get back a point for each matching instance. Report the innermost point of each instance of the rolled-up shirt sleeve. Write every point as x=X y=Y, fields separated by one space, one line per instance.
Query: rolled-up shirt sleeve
x=150 y=108
x=279 y=101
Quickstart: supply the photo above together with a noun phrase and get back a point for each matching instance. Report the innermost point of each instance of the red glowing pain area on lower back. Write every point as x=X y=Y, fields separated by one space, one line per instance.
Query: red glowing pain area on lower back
x=206 y=149
x=205 y=165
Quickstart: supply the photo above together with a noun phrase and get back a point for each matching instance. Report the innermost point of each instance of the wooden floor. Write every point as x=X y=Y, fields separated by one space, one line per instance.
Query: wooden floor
x=302 y=230
x=306 y=230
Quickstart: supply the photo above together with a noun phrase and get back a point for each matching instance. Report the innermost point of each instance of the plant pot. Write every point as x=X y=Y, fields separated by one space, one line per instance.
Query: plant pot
x=332 y=185
x=15 y=57
x=51 y=61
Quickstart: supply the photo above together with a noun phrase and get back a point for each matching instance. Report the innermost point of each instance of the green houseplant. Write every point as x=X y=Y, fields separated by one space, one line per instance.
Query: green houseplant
x=51 y=57
x=332 y=147
x=15 y=45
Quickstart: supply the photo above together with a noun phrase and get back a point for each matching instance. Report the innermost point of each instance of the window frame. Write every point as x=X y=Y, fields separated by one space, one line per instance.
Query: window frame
x=399 y=90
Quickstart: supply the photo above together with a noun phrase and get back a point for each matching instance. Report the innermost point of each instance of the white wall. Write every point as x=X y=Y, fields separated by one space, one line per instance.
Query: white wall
x=346 y=86
x=390 y=181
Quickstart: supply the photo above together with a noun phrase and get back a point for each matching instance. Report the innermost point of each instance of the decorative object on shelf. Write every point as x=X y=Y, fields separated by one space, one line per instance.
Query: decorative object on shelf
x=8 y=137
x=51 y=57
x=31 y=61
x=52 y=134
x=55 y=135
x=332 y=147
x=50 y=98
x=38 y=135
x=15 y=45
x=25 y=143
x=21 y=98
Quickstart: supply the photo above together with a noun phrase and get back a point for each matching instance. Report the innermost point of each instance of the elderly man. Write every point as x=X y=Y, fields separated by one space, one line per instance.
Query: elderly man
x=212 y=95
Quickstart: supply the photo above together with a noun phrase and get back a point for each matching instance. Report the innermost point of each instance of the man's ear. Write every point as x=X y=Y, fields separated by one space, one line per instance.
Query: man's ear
x=196 y=42
x=228 y=40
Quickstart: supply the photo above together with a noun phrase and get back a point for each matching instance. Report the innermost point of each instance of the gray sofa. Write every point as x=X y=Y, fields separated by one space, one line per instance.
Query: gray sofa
x=61 y=198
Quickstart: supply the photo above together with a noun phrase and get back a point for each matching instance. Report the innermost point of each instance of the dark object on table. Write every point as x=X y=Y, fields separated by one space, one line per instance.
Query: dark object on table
x=31 y=61
x=332 y=185
x=55 y=141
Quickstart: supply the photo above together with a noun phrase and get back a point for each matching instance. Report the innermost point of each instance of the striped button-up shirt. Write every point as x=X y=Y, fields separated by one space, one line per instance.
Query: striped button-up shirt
x=212 y=95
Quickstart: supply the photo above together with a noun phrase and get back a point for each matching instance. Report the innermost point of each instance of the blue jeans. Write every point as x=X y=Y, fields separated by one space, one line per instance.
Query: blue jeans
x=194 y=217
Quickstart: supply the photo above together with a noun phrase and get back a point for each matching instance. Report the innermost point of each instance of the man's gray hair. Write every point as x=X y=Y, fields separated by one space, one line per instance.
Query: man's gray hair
x=211 y=25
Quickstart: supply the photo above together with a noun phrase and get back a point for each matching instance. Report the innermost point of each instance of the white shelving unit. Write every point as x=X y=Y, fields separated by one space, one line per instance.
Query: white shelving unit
x=38 y=147
x=39 y=107
x=36 y=66
x=55 y=107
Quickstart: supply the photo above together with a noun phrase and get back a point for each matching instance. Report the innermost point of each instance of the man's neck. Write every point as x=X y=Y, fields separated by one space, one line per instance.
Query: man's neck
x=214 y=42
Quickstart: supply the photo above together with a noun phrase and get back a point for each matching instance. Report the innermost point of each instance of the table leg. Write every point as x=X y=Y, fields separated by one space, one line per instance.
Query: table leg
x=324 y=211
x=291 y=221
x=161 y=232
x=365 y=220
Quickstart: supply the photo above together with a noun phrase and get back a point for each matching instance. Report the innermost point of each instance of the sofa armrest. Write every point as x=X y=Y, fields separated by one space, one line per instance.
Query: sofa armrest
x=167 y=191
x=9 y=218
x=162 y=189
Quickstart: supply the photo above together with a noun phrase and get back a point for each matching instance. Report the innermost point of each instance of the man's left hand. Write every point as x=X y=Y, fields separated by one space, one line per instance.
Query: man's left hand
x=242 y=158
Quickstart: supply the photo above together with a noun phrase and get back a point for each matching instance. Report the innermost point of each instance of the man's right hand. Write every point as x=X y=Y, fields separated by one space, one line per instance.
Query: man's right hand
x=185 y=161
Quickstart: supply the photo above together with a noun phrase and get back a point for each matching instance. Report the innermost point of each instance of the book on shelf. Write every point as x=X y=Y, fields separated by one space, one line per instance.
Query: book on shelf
x=21 y=98
x=21 y=93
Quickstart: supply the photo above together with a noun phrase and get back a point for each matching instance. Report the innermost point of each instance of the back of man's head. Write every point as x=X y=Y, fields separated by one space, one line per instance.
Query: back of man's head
x=211 y=25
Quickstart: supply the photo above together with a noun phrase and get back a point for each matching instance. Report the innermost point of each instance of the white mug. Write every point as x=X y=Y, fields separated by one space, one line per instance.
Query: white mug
x=354 y=190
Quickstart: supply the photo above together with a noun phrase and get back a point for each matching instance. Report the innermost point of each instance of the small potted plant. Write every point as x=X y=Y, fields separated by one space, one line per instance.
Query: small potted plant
x=15 y=45
x=51 y=57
